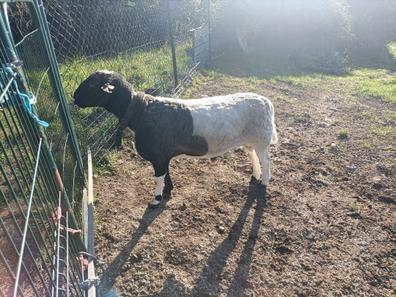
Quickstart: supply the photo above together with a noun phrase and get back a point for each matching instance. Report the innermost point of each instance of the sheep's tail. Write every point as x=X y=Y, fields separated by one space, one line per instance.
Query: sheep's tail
x=274 y=137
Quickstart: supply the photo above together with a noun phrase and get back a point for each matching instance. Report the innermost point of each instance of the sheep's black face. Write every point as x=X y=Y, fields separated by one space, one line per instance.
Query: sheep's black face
x=99 y=89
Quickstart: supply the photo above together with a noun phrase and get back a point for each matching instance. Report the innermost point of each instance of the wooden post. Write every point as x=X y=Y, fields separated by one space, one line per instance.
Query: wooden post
x=90 y=215
x=173 y=45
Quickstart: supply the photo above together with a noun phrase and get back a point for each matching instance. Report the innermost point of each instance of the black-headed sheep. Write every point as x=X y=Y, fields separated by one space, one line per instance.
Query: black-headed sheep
x=165 y=128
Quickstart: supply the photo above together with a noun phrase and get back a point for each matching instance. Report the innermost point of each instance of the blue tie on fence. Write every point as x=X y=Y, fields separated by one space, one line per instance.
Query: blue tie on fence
x=26 y=99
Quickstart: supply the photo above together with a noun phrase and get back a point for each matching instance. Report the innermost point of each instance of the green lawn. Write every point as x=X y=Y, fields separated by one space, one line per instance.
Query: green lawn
x=376 y=83
x=144 y=68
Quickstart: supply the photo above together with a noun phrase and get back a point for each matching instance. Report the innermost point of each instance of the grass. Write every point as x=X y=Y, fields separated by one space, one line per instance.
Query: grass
x=355 y=208
x=376 y=83
x=392 y=49
x=144 y=67
x=383 y=130
x=195 y=85
x=343 y=134
x=367 y=144
x=108 y=167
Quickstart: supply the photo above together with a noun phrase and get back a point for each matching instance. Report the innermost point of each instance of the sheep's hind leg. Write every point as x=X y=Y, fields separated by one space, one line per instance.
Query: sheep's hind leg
x=265 y=162
x=255 y=162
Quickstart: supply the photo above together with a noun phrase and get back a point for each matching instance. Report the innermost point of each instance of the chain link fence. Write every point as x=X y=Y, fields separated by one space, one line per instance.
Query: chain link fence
x=149 y=42
x=156 y=45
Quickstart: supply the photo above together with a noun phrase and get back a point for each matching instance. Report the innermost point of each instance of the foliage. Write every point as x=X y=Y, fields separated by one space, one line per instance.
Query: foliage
x=324 y=35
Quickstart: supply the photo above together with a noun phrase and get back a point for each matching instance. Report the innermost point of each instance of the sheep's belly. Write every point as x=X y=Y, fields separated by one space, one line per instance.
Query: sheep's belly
x=225 y=126
x=208 y=155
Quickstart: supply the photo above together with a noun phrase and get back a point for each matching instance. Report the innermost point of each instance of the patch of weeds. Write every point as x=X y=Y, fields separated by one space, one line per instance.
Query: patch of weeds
x=355 y=211
x=383 y=130
x=393 y=229
x=370 y=116
x=354 y=207
x=378 y=83
x=108 y=165
x=367 y=145
x=210 y=73
x=343 y=134
x=195 y=86
x=312 y=80
x=252 y=83
x=390 y=117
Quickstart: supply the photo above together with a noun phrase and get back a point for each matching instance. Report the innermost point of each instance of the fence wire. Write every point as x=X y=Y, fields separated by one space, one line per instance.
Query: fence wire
x=129 y=37
x=36 y=168
x=156 y=45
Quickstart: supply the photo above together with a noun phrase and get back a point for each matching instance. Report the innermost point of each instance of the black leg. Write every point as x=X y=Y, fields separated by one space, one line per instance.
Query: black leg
x=254 y=180
x=168 y=186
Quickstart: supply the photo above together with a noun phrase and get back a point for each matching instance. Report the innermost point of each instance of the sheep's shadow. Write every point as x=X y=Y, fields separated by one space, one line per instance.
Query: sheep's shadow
x=114 y=269
x=208 y=283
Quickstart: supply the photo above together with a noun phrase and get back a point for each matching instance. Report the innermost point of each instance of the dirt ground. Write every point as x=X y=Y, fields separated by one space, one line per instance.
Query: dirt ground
x=325 y=227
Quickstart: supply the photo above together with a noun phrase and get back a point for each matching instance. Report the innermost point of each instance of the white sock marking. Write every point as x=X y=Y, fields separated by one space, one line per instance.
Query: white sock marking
x=159 y=187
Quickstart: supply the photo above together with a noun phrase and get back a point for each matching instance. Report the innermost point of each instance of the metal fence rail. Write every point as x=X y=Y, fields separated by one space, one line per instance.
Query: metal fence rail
x=157 y=45
x=39 y=171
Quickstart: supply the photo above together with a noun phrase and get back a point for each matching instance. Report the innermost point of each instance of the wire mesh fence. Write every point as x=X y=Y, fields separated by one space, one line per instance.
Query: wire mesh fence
x=156 y=45
x=41 y=174
x=148 y=42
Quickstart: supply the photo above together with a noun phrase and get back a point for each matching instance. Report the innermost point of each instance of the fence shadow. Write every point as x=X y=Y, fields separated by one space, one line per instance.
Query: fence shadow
x=208 y=283
x=115 y=267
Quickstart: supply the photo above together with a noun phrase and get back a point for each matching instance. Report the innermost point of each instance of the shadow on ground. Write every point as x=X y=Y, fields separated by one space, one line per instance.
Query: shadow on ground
x=113 y=270
x=208 y=283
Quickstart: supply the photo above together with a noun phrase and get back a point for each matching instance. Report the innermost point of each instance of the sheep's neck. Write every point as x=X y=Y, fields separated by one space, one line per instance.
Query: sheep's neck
x=120 y=109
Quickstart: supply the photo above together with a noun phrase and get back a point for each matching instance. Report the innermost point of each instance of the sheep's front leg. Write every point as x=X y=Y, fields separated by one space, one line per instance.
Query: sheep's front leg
x=161 y=171
x=159 y=186
x=168 y=186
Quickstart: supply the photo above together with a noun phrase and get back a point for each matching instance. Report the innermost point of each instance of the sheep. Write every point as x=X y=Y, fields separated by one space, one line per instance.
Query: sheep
x=166 y=128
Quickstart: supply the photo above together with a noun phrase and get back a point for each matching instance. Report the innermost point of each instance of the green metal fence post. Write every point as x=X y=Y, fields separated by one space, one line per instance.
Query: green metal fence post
x=12 y=57
x=56 y=80
x=5 y=34
x=9 y=47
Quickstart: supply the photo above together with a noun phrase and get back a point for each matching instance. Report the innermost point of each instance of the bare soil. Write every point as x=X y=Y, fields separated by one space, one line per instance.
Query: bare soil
x=325 y=226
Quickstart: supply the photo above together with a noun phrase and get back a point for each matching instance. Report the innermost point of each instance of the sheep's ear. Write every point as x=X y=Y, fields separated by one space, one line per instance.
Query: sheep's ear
x=108 y=88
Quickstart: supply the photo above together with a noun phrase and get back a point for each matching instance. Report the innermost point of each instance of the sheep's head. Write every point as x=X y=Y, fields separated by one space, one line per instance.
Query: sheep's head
x=101 y=88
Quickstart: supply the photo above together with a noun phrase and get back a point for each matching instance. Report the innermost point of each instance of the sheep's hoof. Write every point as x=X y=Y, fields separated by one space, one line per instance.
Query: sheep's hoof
x=262 y=187
x=167 y=194
x=156 y=201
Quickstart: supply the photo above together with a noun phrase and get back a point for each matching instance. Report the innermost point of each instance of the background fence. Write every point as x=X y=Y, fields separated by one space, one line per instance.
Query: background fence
x=156 y=45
